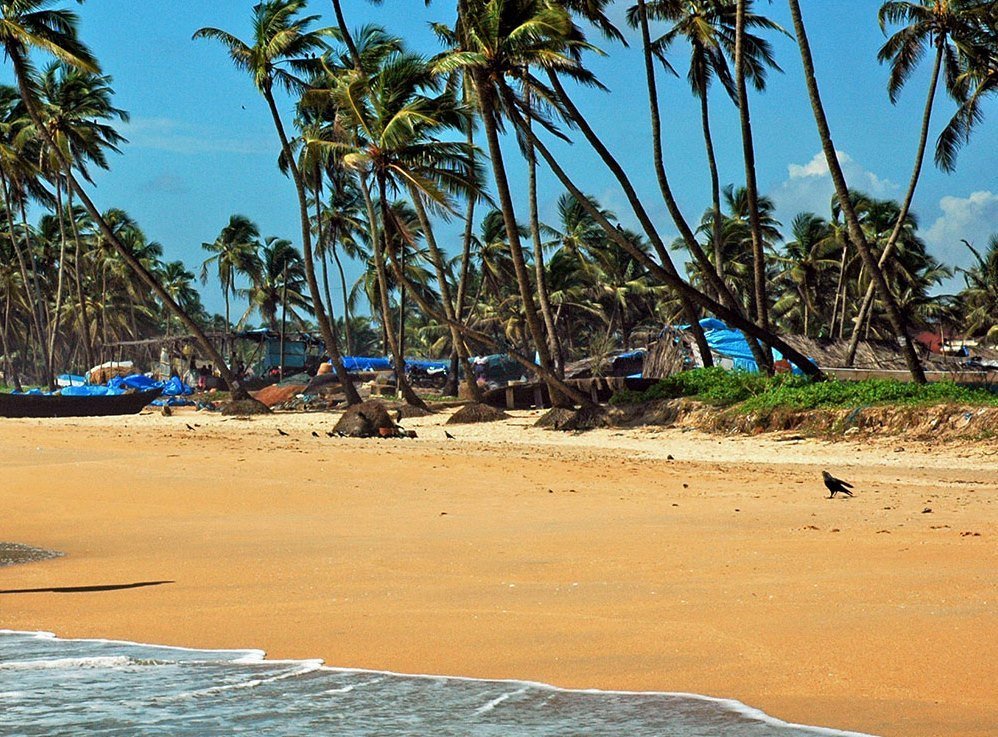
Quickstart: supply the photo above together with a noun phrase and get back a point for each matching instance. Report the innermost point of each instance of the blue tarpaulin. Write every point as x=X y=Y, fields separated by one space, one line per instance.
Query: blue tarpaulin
x=726 y=342
x=366 y=363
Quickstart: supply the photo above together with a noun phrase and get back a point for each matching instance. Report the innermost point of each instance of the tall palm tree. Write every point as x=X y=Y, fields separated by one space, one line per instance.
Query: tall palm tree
x=496 y=44
x=397 y=119
x=709 y=28
x=283 y=46
x=742 y=65
x=33 y=24
x=234 y=253
x=856 y=235
x=947 y=26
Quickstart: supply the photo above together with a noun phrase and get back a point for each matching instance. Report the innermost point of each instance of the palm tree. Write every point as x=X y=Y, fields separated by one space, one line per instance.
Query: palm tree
x=980 y=297
x=856 y=235
x=283 y=46
x=32 y=24
x=978 y=79
x=234 y=253
x=948 y=26
x=279 y=283
x=179 y=284
x=708 y=27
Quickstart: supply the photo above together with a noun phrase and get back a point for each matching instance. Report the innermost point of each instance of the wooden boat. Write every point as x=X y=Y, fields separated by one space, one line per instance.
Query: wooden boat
x=40 y=405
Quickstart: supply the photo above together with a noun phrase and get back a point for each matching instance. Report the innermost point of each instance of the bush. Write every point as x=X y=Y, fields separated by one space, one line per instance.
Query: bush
x=756 y=392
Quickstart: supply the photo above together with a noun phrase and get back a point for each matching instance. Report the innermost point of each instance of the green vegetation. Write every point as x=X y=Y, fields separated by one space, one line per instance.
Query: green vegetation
x=756 y=392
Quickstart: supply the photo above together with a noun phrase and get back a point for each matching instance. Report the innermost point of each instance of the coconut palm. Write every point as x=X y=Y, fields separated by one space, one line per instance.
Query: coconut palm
x=708 y=28
x=279 y=283
x=980 y=297
x=33 y=24
x=234 y=253
x=283 y=48
x=947 y=26
x=856 y=235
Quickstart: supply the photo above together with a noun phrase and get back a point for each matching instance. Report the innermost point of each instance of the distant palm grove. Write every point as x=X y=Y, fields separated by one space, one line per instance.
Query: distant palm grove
x=385 y=145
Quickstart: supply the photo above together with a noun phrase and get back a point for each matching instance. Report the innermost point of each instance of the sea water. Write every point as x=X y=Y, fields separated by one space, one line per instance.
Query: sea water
x=53 y=687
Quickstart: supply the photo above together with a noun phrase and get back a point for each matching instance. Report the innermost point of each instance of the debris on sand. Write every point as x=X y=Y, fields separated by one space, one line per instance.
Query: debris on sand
x=245 y=407
x=365 y=420
x=407 y=411
x=476 y=412
x=574 y=420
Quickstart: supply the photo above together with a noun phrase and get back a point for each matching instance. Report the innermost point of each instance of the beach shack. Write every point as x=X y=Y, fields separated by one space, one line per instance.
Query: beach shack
x=296 y=352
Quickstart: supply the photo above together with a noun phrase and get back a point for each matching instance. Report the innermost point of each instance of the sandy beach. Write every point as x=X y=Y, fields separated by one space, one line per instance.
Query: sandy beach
x=590 y=561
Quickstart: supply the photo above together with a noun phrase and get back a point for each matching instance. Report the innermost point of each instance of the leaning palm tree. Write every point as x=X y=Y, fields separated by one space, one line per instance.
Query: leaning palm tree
x=33 y=24
x=856 y=234
x=948 y=26
x=283 y=46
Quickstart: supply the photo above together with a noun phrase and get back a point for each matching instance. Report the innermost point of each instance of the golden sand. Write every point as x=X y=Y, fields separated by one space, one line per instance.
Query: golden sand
x=578 y=560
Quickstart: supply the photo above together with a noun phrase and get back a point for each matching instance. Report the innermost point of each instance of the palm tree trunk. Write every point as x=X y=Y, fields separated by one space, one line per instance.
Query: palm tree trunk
x=474 y=391
x=88 y=351
x=540 y=277
x=460 y=350
x=839 y=293
x=405 y=390
x=715 y=189
x=321 y=242
x=332 y=347
x=751 y=188
x=238 y=391
x=56 y=318
x=865 y=308
x=347 y=330
x=10 y=370
x=736 y=319
x=534 y=325
x=35 y=323
x=345 y=32
x=856 y=234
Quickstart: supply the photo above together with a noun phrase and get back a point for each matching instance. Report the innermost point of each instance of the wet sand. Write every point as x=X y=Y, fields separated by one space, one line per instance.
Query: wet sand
x=579 y=560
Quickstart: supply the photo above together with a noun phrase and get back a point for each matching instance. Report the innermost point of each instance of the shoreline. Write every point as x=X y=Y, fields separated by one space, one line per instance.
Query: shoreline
x=460 y=557
x=255 y=655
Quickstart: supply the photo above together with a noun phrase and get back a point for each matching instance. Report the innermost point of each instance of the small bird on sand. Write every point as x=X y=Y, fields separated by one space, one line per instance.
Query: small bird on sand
x=189 y=427
x=449 y=436
x=835 y=485
x=315 y=434
x=281 y=432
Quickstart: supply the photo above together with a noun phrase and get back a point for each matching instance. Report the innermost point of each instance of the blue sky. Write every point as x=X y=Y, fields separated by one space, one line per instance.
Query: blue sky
x=202 y=145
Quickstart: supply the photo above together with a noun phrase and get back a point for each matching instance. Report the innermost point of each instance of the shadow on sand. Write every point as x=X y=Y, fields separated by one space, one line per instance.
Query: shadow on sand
x=85 y=589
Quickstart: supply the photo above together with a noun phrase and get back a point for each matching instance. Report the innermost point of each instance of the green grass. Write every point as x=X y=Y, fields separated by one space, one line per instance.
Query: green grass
x=755 y=392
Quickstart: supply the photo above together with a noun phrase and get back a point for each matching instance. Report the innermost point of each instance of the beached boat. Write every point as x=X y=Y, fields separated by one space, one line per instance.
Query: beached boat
x=40 y=405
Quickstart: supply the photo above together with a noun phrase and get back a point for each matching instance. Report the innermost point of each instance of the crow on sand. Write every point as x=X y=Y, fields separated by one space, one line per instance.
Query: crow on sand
x=835 y=485
x=281 y=432
x=448 y=435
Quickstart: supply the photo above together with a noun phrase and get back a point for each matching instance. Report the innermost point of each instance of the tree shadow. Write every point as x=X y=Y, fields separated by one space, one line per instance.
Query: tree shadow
x=85 y=589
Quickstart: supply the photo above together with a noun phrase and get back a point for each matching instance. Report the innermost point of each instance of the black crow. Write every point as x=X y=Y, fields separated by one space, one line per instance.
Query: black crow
x=835 y=485
x=281 y=432
x=449 y=436
x=189 y=427
x=315 y=434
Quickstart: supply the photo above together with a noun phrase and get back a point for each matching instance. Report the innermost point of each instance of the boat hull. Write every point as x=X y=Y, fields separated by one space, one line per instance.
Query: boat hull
x=33 y=405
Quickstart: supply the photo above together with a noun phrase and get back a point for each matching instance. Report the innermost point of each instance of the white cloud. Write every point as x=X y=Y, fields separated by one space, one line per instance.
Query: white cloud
x=809 y=186
x=973 y=219
x=166 y=134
